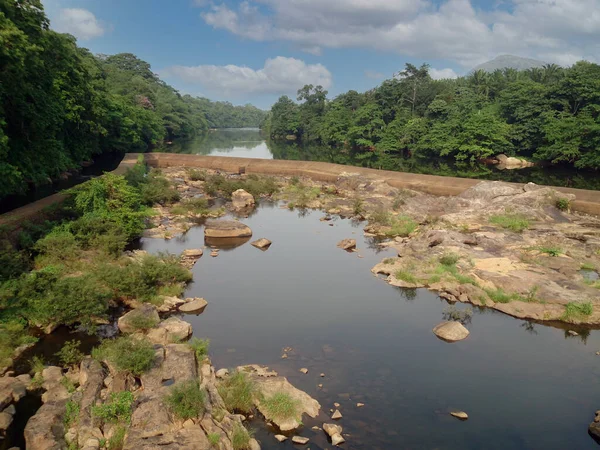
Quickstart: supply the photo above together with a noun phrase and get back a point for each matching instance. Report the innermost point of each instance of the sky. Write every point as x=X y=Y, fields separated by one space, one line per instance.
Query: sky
x=254 y=51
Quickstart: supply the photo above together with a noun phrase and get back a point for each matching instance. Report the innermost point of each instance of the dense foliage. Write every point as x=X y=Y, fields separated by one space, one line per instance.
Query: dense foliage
x=549 y=114
x=60 y=105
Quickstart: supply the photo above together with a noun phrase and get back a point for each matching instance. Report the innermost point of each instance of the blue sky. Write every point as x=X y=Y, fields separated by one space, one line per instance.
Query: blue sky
x=256 y=50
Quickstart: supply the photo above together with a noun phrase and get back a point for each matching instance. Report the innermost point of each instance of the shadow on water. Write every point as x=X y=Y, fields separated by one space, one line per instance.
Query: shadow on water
x=524 y=385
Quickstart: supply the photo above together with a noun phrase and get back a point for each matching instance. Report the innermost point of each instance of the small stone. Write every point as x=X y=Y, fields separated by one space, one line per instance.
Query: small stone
x=222 y=373
x=5 y=420
x=262 y=243
x=460 y=415
x=347 y=244
x=322 y=375
x=573 y=333
x=451 y=331
x=332 y=429
x=253 y=444
x=92 y=443
x=360 y=405
x=304 y=370
x=315 y=428
x=337 y=439
x=300 y=440
x=597 y=353
x=320 y=386
x=284 y=356
x=337 y=405
x=336 y=415
x=280 y=437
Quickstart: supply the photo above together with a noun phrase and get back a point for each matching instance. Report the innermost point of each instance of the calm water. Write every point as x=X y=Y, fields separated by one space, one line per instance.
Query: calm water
x=524 y=386
x=249 y=143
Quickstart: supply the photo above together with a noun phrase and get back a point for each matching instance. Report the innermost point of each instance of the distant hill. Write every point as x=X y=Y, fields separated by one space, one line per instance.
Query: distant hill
x=509 y=61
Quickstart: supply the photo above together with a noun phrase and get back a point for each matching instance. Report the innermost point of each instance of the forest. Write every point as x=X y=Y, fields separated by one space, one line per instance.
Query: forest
x=549 y=114
x=60 y=104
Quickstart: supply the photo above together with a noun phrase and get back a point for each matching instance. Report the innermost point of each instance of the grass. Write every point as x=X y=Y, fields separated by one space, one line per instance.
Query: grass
x=551 y=251
x=200 y=347
x=399 y=225
x=358 y=206
x=238 y=392
x=499 y=296
x=68 y=384
x=117 y=409
x=117 y=439
x=127 y=354
x=389 y=260
x=186 y=400
x=69 y=354
x=253 y=184
x=240 y=438
x=577 y=310
x=196 y=206
x=588 y=266
x=71 y=413
x=281 y=406
x=300 y=195
x=197 y=175
x=513 y=222
x=13 y=334
x=143 y=323
x=213 y=439
x=452 y=270
x=406 y=276
x=449 y=259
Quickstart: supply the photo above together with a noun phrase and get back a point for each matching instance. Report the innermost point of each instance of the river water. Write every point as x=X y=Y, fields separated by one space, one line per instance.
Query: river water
x=524 y=385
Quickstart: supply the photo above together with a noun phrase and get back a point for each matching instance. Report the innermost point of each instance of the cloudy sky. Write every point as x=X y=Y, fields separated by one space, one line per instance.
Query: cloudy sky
x=256 y=50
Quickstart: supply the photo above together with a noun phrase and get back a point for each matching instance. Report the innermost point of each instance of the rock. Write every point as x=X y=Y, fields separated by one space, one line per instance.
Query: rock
x=5 y=420
x=222 y=373
x=336 y=415
x=280 y=437
x=45 y=430
x=170 y=303
x=573 y=333
x=190 y=256
x=193 y=306
x=332 y=429
x=145 y=314
x=226 y=229
x=11 y=410
x=510 y=162
x=337 y=405
x=177 y=329
x=214 y=254
x=304 y=370
x=320 y=386
x=284 y=356
x=451 y=331
x=360 y=405
x=594 y=428
x=262 y=243
x=11 y=390
x=460 y=415
x=322 y=375
x=242 y=199
x=253 y=444
x=300 y=440
x=347 y=244
x=52 y=374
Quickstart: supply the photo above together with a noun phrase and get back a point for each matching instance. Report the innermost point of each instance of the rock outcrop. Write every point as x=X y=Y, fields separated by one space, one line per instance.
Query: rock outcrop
x=510 y=162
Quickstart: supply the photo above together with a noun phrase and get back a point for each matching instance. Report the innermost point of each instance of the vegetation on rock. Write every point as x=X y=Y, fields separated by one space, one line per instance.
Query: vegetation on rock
x=186 y=400
x=238 y=392
x=127 y=354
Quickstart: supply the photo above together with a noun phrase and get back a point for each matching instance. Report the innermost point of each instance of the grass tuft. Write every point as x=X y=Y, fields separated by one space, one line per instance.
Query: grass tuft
x=238 y=392
x=200 y=347
x=240 y=438
x=281 y=406
x=187 y=400
x=127 y=354
x=577 y=310
x=117 y=409
x=514 y=222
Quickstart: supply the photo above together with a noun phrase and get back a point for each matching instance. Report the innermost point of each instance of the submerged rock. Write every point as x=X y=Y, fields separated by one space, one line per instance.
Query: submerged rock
x=347 y=244
x=451 y=331
x=226 y=229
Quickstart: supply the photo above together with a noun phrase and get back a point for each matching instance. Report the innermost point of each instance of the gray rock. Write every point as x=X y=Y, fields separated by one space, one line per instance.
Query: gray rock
x=451 y=331
x=190 y=256
x=5 y=420
x=280 y=437
x=337 y=415
x=222 y=373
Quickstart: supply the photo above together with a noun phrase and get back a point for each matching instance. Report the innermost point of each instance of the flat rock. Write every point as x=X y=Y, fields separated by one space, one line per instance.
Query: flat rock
x=304 y=370
x=460 y=415
x=170 y=303
x=190 y=256
x=146 y=313
x=300 y=440
x=226 y=229
x=347 y=244
x=5 y=420
x=337 y=439
x=193 y=305
x=262 y=243
x=451 y=331
x=280 y=437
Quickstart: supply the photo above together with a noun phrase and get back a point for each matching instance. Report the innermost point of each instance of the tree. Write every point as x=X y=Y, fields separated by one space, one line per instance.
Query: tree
x=414 y=77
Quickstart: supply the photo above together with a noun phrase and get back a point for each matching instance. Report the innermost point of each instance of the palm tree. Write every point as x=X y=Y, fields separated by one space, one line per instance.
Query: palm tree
x=536 y=74
x=480 y=80
x=552 y=73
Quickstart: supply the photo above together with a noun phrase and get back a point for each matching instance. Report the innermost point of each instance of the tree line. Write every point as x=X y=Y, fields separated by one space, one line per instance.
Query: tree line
x=60 y=104
x=549 y=114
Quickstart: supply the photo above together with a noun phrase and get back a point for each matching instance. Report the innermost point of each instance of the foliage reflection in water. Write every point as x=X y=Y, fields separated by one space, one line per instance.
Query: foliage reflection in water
x=374 y=344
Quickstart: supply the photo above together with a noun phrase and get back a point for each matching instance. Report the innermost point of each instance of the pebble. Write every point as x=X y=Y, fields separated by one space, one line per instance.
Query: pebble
x=337 y=405
x=360 y=405
x=280 y=437
x=284 y=356
x=300 y=440
x=320 y=386
x=304 y=370
x=214 y=254
x=322 y=375
x=460 y=415
x=336 y=415
x=573 y=333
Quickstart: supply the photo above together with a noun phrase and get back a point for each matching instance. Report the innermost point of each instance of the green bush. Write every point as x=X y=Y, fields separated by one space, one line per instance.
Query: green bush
x=143 y=279
x=281 y=406
x=142 y=323
x=563 y=204
x=13 y=334
x=240 y=438
x=136 y=176
x=71 y=413
x=238 y=392
x=577 y=310
x=200 y=347
x=117 y=409
x=257 y=186
x=127 y=354
x=13 y=263
x=96 y=232
x=69 y=354
x=197 y=175
x=186 y=400
x=449 y=259
x=58 y=246
x=158 y=189
x=117 y=439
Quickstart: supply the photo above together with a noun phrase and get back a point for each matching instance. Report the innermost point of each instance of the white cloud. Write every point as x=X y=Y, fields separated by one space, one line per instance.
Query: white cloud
x=441 y=74
x=374 y=75
x=279 y=75
x=427 y=29
x=81 y=23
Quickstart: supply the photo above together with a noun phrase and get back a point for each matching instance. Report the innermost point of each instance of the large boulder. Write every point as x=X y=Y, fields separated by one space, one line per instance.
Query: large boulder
x=145 y=314
x=451 y=331
x=45 y=430
x=226 y=229
x=242 y=200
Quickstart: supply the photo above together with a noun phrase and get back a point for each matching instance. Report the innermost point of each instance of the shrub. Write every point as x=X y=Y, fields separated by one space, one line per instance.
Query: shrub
x=551 y=251
x=157 y=189
x=281 y=406
x=57 y=247
x=68 y=384
x=97 y=232
x=12 y=262
x=197 y=206
x=13 y=334
x=117 y=439
x=240 y=438
x=136 y=176
x=577 y=310
x=69 y=354
x=197 y=175
x=117 y=409
x=142 y=323
x=200 y=347
x=238 y=392
x=449 y=259
x=459 y=315
x=71 y=413
x=186 y=400
x=499 y=296
x=214 y=439
x=257 y=186
x=406 y=276
x=563 y=204
x=513 y=222
x=127 y=354
x=358 y=206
